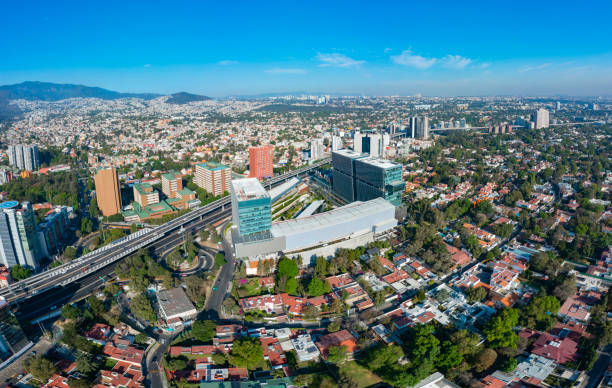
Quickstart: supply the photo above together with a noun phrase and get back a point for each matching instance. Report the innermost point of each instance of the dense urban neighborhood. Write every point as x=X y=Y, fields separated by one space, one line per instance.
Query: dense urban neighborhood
x=306 y=241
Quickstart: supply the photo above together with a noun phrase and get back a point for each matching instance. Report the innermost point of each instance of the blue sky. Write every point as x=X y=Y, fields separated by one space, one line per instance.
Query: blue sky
x=376 y=48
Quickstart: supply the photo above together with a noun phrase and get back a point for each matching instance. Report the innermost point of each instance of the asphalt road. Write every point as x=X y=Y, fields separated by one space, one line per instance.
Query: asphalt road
x=594 y=376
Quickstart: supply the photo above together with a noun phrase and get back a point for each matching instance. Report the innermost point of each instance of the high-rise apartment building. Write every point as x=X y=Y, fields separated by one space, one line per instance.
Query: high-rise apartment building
x=19 y=235
x=5 y=176
x=422 y=127
x=541 y=118
x=413 y=126
x=558 y=105
x=316 y=149
x=251 y=208
x=145 y=194
x=108 y=191
x=369 y=143
x=337 y=143
x=24 y=157
x=261 y=162
x=213 y=177
x=172 y=183
x=53 y=230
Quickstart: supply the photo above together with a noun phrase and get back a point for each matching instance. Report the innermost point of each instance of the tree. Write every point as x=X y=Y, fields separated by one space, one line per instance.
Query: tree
x=485 y=359
x=177 y=363
x=425 y=346
x=541 y=311
x=509 y=364
x=311 y=312
x=78 y=383
x=220 y=259
x=85 y=364
x=565 y=289
x=476 y=294
x=40 y=367
x=141 y=339
x=19 y=273
x=346 y=381
x=333 y=326
x=247 y=352
x=71 y=312
x=316 y=287
x=287 y=267
x=204 y=330
x=449 y=357
x=382 y=355
x=142 y=308
x=96 y=306
x=320 y=268
x=499 y=330
x=336 y=354
x=291 y=286
x=467 y=343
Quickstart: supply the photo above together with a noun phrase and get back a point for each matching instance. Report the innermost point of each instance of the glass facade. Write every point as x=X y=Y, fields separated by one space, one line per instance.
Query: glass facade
x=343 y=186
x=254 y=216
x=374 y=179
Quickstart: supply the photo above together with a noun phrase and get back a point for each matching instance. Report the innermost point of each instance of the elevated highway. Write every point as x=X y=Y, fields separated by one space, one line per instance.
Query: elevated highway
x=93 y=262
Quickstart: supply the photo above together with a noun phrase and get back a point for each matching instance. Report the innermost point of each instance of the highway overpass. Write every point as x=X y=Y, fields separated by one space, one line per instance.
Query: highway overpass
x=100 y=258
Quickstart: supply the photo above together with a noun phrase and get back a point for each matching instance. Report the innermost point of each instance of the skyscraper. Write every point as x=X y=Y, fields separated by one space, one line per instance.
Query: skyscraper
x=19 y=235
x=558 y=106
x=251 y=208
x=343 y=162
x=261 y=162
x=108 y=191
x=337 y=143
x=316 y=149
x=541 y=118
x=413 y=126
x=24 y=157
x=213 y=177
x=368 y=143
x=422 y=127
x=376 y=178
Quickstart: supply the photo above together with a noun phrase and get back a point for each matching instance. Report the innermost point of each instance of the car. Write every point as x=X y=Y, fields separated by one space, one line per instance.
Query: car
x=215 y=288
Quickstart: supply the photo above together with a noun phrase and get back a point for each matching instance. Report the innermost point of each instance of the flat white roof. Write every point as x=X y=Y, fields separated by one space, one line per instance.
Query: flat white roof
x=249 y=188
x=355 y=210
x=382 y=163
x=280 y=189
x=310 y=209
x=348 y=153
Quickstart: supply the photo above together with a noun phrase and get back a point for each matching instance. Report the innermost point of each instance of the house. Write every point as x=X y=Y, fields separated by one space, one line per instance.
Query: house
x=122 y=375
x=99 y=333
x=555 y=348
x=578 y=307
x=175 y=307
x=339 y=338
x=271 y=304
x=121 y=349
x=458 y=256
x=273 y=352
x=341 y=281
x=305 y=349
x=57 y=381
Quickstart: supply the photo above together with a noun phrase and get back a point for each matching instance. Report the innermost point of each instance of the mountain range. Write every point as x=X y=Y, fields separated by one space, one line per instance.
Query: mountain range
x=47 y=91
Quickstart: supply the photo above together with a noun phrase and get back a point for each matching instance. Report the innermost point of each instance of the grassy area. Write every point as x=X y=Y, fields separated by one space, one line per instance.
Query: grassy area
x=251 y=288
x=359 y=374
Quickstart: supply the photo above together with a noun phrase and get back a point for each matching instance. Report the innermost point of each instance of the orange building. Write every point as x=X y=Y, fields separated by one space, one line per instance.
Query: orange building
x=108 y=191
x=261 y=162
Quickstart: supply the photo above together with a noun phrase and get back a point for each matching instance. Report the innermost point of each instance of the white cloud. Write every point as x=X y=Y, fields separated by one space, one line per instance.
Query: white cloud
x=532 y=68
x=407 y=58
x=455 y=61
x=337 y=60
x=227 y=62
x=484 y=65
x=285 y=71
x=147 y=65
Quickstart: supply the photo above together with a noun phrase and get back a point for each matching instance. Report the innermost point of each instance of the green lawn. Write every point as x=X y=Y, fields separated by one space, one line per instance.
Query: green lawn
x=109 y=364
x=359 y=374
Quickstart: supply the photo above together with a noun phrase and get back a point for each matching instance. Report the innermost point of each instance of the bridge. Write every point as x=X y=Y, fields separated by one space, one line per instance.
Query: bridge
x=100 y=258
